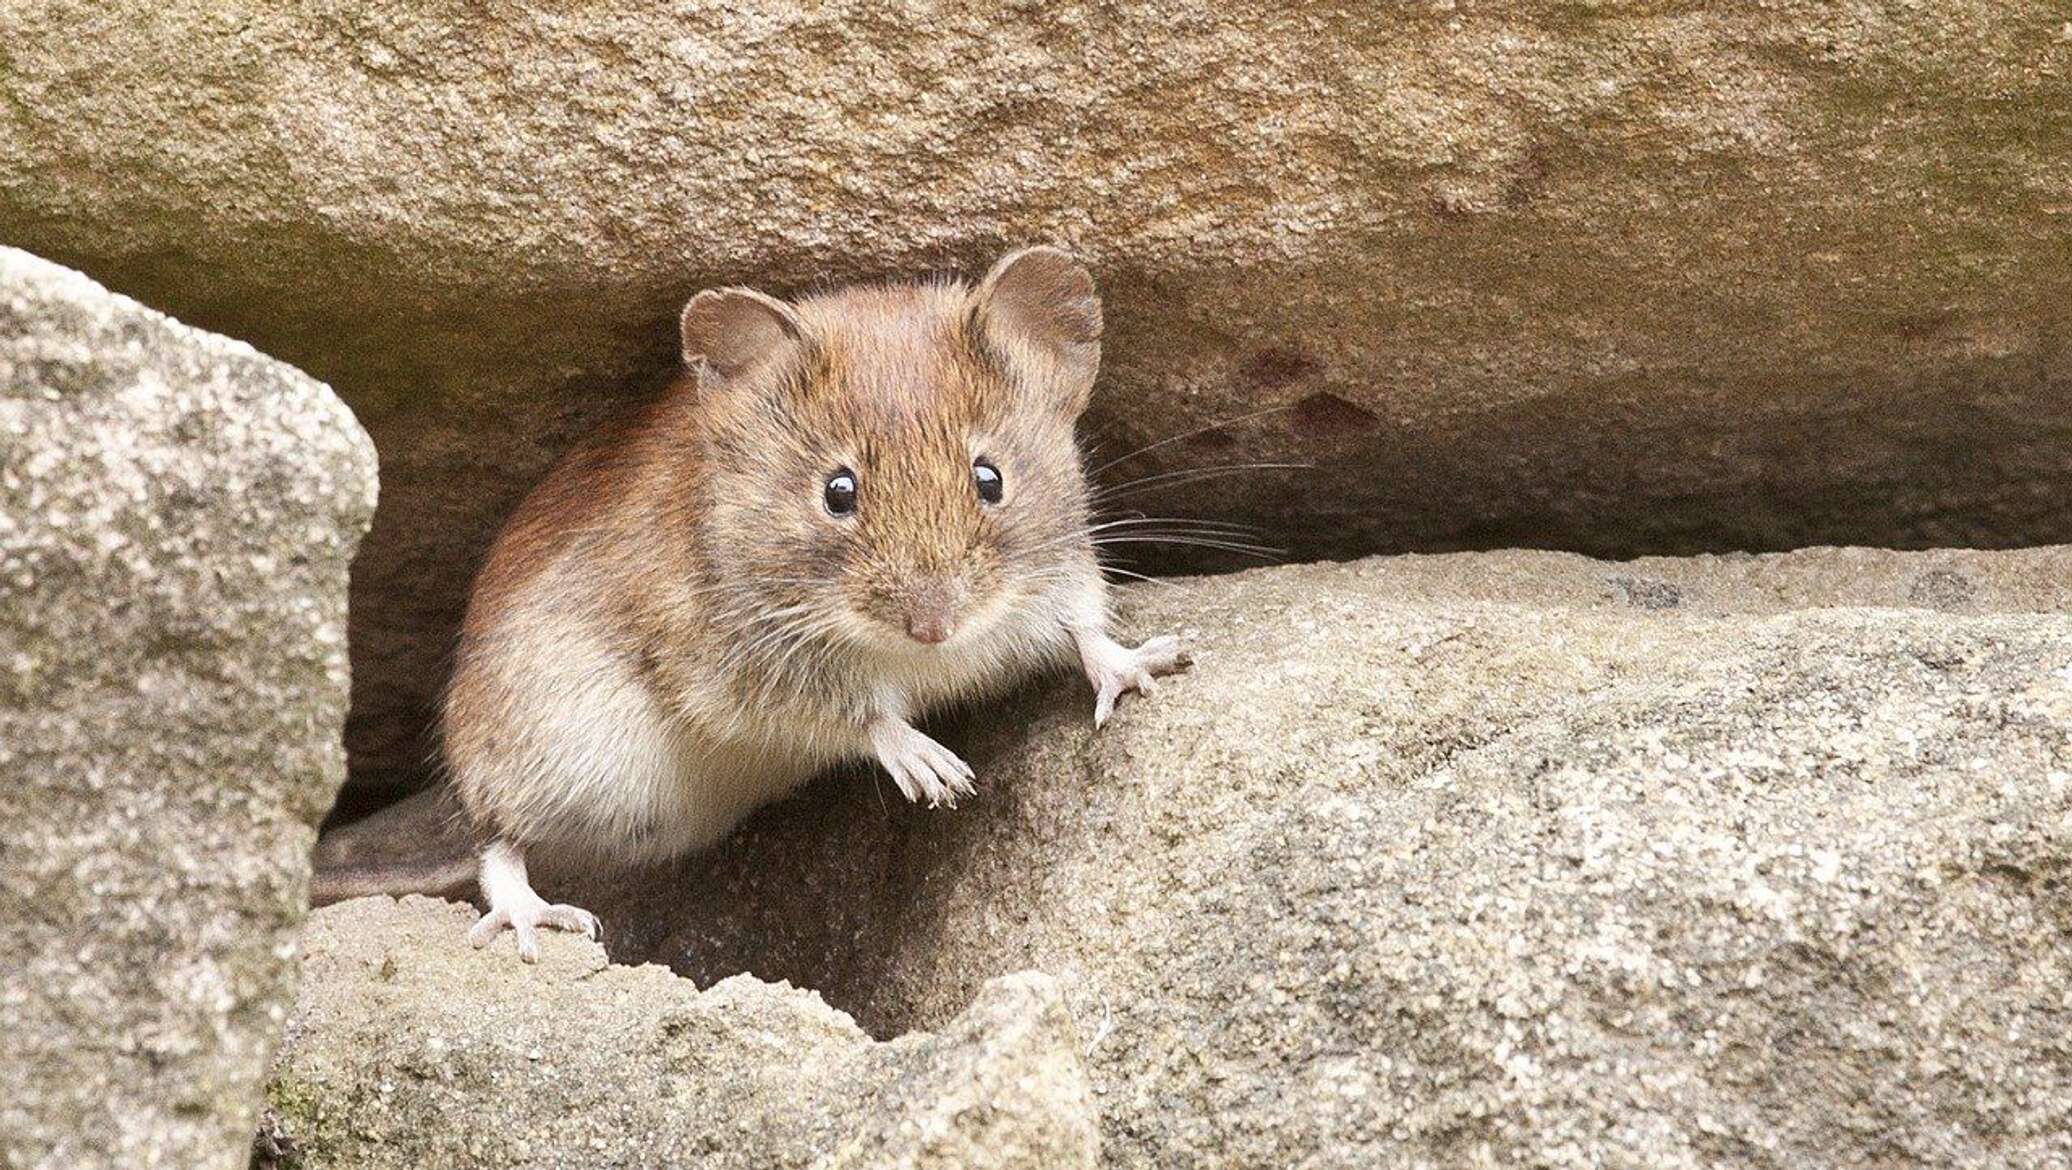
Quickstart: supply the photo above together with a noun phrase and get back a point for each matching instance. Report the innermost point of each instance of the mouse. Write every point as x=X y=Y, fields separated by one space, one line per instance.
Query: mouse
x=852 y=509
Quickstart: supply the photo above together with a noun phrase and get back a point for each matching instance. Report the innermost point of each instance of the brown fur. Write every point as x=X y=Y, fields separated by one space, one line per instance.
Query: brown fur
x=684 y=558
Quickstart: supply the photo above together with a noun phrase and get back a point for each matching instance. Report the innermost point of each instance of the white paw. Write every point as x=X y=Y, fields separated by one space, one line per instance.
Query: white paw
x=525 y=918
x=923 y=768
x=1114 y=668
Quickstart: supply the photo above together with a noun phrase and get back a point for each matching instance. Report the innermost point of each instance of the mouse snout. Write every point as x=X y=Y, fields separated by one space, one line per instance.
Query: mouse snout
x=930 y=626
x=930 y=612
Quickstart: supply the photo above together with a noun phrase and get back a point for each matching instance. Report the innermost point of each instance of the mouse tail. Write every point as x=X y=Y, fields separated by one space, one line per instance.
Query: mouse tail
x=449 y=878
x=422 y=844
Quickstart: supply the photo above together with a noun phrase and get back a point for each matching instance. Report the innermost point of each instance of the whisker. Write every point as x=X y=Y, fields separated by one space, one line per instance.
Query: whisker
x=1190 y=475
x=1185 y=435
x=1263 y=552
x=1149 y=530
x=1184 y=521
x=1140 y=525
x=1138 y=576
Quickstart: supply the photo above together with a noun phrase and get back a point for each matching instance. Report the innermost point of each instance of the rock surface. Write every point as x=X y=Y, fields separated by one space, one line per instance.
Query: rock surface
x=409 y=1049
x=1614 y=277
x=176 y=516
x=1507 y=860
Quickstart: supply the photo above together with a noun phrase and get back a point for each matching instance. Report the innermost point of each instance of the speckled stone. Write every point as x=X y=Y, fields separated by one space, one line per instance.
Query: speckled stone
x=408 y=1050
x=176 y=516
x=1492 y=861
x=1610 y=276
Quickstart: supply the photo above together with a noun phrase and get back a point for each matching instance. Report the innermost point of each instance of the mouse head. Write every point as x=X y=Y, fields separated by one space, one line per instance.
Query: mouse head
x=893 y=467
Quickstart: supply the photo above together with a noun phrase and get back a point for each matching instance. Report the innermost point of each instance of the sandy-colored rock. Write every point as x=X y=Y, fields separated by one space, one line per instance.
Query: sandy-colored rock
x=409 y=1049
x=1500 y=860
x=1615 y=277
x=176 y=516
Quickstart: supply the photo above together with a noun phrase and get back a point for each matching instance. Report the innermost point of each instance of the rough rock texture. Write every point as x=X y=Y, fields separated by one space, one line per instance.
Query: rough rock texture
x=1506 y=860
x=1611 y=276
x=176 y=516
x=408 y=1049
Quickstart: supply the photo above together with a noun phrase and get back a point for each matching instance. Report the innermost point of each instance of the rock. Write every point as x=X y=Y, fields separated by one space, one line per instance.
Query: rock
x=1509 y=860
x=410 y=1049
x=1614 y=277
x=176 y=515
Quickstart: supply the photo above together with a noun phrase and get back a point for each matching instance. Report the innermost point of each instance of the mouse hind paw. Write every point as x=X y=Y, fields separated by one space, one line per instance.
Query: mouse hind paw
x=525 y=921
x=513 y=906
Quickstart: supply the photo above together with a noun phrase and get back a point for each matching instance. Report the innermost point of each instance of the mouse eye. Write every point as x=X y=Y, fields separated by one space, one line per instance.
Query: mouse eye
x=987 y=477
x=840 y=494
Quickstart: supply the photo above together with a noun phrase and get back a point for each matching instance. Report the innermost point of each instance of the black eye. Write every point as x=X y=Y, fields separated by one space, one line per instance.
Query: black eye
x=987 y=477
x=840 y=495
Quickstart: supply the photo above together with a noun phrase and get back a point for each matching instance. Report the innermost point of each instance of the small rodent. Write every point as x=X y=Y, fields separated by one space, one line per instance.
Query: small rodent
x=850 y=510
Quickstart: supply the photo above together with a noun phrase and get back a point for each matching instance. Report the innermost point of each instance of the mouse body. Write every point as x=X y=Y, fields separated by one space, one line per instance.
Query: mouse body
x=850 y=511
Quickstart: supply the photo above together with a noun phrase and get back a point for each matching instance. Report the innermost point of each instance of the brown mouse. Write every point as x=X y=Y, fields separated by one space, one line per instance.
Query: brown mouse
x=852 y=510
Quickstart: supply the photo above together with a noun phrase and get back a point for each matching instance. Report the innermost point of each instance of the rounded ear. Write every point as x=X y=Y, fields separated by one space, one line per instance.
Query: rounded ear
x=1040 y=303
x=729 y=331
x=1041 y=296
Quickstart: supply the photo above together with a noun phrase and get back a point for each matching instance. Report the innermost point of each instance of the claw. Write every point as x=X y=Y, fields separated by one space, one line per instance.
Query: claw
x=528 y=942
x=515 y=907
x=1115 y=669
x=573 y=919
x=923 y=769
x=487 y=927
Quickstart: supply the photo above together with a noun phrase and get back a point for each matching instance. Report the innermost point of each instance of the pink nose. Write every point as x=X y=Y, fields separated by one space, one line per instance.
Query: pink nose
x=931 y=626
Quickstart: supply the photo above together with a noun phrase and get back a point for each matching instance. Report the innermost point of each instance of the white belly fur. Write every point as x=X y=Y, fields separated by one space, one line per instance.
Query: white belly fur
x=631 y=785
x=590 y=764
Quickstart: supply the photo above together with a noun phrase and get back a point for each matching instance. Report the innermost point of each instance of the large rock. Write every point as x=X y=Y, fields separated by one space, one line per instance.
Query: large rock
x=176 y=515
x=1615 y=277
x=408 y=1049
x=1505 y=860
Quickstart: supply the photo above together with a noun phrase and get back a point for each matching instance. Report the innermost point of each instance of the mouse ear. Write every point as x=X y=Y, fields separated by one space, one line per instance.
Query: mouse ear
x=1040 y=303
x=729 y=331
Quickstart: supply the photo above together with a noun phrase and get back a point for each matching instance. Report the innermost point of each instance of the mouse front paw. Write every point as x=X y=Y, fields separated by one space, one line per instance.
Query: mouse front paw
x=1114 y=668
x=923 y=768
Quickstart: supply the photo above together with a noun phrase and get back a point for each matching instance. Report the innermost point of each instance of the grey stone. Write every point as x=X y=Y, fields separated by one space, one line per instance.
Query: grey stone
x=1468 y=861
x=1617 y=277
x=1942 y=589
x=408 y=1049
x=176 y=515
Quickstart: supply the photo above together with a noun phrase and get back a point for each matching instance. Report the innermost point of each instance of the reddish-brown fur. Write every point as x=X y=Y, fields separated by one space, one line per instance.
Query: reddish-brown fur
x=693 y=545
x=686 y=619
